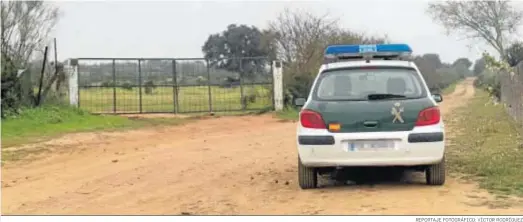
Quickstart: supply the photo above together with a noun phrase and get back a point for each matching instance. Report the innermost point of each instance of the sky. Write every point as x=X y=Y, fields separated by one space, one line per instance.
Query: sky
x=178 y=29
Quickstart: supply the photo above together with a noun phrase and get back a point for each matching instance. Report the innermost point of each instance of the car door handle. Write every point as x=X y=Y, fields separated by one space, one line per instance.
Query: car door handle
x=370 y=123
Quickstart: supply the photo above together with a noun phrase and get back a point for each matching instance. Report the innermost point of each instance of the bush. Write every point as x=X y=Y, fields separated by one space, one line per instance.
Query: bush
x=201 y=80
x=107 y=84
x=490 y=81
x=230 y=82
x=296 y=86
x=126 y=86
x=149 y=86
x=11 y=89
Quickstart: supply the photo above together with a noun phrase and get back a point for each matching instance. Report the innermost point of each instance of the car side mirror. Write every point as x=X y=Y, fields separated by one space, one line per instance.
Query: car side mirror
x=300 y=102
x=437 y=97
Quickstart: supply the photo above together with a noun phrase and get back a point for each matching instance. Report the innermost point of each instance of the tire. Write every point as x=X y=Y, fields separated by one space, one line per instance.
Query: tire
x=307 y=176
x=435 y=174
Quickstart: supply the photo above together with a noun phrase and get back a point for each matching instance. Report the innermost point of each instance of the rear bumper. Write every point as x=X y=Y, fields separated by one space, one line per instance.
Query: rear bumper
x=411 y=149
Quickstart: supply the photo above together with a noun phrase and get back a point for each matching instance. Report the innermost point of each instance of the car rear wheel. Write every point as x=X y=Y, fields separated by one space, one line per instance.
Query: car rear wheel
x=307 y=176
x=435 y=174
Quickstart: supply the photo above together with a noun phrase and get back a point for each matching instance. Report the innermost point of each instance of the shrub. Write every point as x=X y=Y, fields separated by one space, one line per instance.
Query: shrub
x=126 y=86
x=107 y=84
x=297 y=86
x=490 y=81
x=149 y=86
x=11 y=88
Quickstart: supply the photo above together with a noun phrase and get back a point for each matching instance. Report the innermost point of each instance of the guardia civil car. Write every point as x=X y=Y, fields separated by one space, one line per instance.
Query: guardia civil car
x=369 y=106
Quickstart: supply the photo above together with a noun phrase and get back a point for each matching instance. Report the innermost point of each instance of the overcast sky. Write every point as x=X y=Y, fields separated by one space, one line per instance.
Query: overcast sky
x=179 y=28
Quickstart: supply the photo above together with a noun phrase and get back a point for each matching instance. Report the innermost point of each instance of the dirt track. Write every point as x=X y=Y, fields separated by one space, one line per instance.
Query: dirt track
x=227 y=165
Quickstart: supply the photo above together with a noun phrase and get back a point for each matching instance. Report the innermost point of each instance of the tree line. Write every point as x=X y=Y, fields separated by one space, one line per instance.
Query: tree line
x=495 y=23
x=169 y=72
x=299 y=39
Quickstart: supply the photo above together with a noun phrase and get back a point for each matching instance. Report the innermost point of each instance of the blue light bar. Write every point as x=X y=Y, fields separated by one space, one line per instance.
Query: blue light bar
x=361 y=50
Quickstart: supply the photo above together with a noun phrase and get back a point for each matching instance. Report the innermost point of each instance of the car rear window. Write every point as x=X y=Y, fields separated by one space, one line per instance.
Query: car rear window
x=359 y=83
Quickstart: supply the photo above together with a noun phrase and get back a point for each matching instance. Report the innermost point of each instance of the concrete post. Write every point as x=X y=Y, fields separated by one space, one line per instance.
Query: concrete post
x=71 y=68
x=277 y=72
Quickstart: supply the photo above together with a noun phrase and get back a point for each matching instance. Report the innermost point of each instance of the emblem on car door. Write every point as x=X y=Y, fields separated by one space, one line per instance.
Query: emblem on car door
x=396 y=112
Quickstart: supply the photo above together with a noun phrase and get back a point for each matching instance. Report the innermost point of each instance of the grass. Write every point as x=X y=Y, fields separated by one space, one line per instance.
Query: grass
x=289 y=113
x=190 y=99
x=449 y=89
x=42 y=123
x=488 y=146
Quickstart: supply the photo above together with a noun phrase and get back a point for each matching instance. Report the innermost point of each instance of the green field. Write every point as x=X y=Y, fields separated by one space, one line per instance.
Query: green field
x=162 y=99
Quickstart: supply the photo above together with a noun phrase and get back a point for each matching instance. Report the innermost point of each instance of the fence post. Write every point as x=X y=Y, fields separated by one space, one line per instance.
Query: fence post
x=114 y=86
x=175 y=88
x=209 y=86
x=72 y=70
x=271 y=79
x=277 y=78
x=242 y=99
x=140 y=84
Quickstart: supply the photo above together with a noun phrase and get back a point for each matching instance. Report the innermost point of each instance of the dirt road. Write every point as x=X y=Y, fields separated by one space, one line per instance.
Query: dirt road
x=227 y=165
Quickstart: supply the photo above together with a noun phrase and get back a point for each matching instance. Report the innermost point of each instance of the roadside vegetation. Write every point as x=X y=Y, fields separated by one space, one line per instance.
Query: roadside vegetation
x=33 y=125
x=450 y=89
x=487 y=145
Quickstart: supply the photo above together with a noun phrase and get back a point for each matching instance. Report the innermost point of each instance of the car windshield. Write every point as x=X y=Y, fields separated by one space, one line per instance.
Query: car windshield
x=367 y=83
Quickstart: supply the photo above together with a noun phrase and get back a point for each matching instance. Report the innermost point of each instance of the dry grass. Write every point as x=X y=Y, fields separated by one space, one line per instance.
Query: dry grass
x=487 y=147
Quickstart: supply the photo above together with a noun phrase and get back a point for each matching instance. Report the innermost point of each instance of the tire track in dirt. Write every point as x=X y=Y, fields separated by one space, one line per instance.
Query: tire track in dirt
x=227 y=165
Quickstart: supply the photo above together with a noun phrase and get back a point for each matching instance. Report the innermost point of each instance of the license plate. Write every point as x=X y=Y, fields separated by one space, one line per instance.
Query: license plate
x=370 y=145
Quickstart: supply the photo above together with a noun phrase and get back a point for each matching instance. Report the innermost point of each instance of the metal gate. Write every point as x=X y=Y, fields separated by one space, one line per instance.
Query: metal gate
x=174 y=85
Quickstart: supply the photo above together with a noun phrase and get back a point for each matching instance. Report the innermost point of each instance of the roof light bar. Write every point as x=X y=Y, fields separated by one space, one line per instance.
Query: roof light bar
x=367 y=52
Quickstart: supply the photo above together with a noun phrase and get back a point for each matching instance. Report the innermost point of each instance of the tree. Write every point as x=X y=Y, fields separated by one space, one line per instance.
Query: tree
x=491 y=21
x=479 y=66
x=300 y=40
x=234 y=48
x=25 y=27
x=461 y=66
x=515 y=53
x=462 y=62
x=428 y=65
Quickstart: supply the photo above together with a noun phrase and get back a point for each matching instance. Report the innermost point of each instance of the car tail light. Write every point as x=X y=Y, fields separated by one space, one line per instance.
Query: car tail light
x=428 y=116
x=311 y=119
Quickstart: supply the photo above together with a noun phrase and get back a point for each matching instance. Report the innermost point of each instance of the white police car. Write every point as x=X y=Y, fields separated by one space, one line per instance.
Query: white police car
x=369 y=106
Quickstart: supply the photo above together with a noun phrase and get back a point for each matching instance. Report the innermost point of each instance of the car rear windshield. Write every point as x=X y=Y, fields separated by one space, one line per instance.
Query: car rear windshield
x=361 y=83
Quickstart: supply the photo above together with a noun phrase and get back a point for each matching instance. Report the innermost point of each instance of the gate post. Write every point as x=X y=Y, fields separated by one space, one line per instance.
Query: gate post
x=209 y=91
x=71 y=69
x=114 y=86
x=277 y=78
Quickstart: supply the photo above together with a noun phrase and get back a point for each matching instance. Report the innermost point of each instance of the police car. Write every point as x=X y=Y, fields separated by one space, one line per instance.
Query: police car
x=369 y=106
